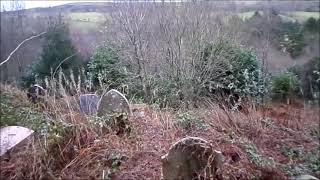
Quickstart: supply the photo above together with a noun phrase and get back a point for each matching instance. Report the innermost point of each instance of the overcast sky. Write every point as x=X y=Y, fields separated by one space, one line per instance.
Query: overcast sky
x=40 y=3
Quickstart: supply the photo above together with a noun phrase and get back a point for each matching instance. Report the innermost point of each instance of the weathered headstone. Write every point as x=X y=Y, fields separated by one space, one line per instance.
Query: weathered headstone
x=11 y=136
x=35 y=93
x=190 y=158
x=89 y=103
x=305 y=177
x=113 y=102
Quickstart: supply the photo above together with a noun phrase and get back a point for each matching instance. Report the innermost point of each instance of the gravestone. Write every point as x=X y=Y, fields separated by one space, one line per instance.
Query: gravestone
x=35 y=93
x=89 y=103
x=11 y=136
x=305 y=177
x=113 y=102
x=189 y=158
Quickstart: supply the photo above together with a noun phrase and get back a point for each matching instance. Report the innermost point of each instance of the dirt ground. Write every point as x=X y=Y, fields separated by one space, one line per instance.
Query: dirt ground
x=154 y=140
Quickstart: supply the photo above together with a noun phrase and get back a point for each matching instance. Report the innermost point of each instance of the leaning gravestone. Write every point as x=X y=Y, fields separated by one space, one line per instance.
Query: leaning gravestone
x=11 y=136
x=113 y=102
x=190 y=158
x=89 y=103
x=35 y=93
x=305 y=177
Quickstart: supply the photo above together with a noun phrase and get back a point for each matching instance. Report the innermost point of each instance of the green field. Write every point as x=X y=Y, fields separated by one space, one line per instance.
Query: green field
x=246 y=15
x=93 y=17
x=87 y=22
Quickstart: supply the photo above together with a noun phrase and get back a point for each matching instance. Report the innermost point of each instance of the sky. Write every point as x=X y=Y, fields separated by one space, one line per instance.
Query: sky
x=40 y=3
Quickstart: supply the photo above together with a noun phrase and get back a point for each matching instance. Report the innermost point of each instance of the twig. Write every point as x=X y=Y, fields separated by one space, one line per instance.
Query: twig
x=55 y=71
x=28 y=39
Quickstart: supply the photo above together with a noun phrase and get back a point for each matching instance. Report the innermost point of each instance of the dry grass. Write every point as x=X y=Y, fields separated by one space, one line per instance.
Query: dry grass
x=78 y=148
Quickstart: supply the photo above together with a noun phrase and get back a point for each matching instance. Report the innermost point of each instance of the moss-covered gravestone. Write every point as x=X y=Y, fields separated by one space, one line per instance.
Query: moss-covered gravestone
x=89 y=103
x=113 y=102
x=189 y=158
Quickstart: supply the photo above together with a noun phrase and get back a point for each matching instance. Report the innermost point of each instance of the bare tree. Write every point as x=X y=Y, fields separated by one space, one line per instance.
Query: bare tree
x=165 y=40
x=131 y=19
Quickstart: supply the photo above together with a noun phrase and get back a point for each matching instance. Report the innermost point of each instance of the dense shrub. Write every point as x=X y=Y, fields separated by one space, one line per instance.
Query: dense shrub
x=56 y=49
x=226 y=67
x=312 y=25
x=285 y=85
x=246 y=69
x=105 y=67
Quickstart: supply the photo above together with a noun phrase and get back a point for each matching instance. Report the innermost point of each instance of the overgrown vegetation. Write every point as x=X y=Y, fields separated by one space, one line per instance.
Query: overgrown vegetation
x=257 y=158
x=21 y=113
x=183 y=62
x=72 y=145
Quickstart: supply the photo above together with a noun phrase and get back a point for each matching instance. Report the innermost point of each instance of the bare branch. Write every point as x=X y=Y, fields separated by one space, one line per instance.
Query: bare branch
x=55 y=71
x=28 y=39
